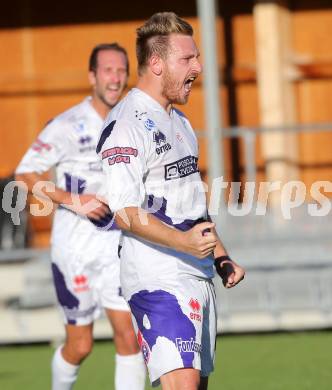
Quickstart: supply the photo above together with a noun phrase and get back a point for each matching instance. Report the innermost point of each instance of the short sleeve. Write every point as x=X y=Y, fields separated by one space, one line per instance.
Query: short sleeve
x=48 y=149
x=122 y=150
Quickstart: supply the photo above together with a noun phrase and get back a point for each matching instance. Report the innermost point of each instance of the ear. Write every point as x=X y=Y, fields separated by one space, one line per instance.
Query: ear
x=156 y=65
x=92 y=78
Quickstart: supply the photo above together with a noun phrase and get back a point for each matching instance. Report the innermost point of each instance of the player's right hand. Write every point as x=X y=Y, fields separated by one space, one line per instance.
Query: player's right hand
x=89 y=205
x=199 y=241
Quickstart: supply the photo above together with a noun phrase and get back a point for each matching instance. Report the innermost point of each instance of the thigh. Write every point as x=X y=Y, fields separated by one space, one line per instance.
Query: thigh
x=108 y=288
x=124 y=335
x=73 y=283
x=182 y=379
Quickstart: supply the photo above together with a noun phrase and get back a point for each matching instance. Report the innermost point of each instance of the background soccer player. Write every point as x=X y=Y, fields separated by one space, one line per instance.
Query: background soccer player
x=85 y=261
x=169 y=245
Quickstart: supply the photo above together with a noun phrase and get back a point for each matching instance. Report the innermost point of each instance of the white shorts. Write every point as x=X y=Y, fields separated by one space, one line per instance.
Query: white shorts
x=86 y=285
x=176 y=329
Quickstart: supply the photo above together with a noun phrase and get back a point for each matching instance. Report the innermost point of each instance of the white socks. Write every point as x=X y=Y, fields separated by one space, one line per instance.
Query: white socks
x=64 y=374
x=129 y=372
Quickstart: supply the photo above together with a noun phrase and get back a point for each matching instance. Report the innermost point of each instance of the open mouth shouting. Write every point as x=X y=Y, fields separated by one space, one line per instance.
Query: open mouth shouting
x=189 y=82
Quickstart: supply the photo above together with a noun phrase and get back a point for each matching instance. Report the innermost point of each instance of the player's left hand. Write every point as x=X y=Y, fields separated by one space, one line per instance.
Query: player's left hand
x=230 y=272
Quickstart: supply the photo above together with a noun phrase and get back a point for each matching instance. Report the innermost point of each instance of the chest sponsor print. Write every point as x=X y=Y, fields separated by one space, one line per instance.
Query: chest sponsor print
x=119 y=154
x=181 y=168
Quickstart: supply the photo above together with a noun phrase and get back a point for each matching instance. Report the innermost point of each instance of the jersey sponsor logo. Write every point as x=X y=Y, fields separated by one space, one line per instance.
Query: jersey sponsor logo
x=39 y=146
x=144 y=347
x=187 y=345
x=80 y=283
x=163 y=148
x=159 y=137
x=85 y=140
x=195 y=307
x=181 y=168
x=119 y=150
x=119 y=154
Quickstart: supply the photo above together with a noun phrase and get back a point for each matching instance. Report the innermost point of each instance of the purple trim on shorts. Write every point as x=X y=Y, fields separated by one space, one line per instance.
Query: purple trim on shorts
x=65 y=297
x=166 y=319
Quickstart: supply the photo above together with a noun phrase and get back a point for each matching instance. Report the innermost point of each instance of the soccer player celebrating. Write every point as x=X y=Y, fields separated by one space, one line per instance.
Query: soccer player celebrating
x=169 y=246
x=84 y=251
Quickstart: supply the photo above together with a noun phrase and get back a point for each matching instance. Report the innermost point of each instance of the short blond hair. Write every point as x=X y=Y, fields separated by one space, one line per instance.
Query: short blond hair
x=152 y=37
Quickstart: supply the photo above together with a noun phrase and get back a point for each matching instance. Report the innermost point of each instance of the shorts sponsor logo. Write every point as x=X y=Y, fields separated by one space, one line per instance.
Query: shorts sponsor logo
x=181 y=168
x=119 y=154
x=144 y=347
x=80 y=283
x=195 y=307
x=187 y=345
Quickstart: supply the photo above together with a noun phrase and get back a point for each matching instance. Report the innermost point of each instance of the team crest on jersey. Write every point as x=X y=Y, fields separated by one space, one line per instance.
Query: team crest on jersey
x=79 y=126
x=149 y=124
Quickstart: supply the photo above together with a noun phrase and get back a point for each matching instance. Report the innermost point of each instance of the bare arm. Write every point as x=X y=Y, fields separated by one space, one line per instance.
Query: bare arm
x=148 y=227
x=82 y=204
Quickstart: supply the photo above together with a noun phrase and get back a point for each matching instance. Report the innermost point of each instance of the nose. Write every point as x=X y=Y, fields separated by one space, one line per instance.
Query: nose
x=198 y=67
x=115 y=77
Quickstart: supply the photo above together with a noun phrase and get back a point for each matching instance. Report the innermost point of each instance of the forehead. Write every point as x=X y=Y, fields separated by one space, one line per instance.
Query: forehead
x=111 y=58
x=182 y=45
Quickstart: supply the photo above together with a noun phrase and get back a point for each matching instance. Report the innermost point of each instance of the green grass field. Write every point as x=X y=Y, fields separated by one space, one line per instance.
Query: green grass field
x=294 y=361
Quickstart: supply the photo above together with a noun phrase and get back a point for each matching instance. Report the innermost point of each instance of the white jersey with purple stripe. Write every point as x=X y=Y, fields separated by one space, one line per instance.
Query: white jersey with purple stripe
x=150 y=161
x=68 y=143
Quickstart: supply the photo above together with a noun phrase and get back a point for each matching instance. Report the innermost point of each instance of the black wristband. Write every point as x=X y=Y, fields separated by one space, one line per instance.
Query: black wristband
x=220 y=259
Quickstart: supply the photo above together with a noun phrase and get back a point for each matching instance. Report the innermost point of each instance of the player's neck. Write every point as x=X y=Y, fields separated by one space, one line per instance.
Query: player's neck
x=153 y=90
x=101 y=108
